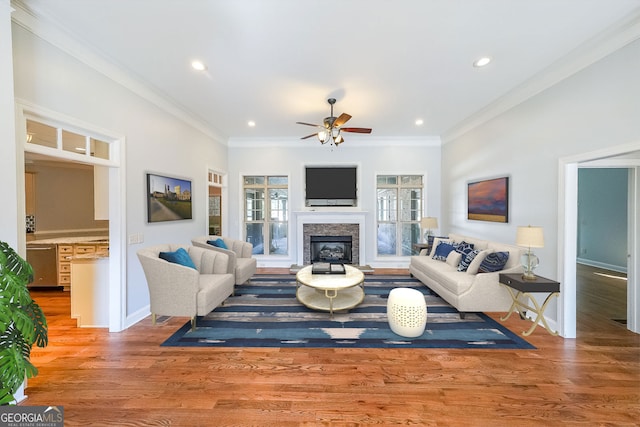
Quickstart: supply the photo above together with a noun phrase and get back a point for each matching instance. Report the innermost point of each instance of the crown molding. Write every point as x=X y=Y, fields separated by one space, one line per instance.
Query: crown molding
x=44 y=27
x=598 y=47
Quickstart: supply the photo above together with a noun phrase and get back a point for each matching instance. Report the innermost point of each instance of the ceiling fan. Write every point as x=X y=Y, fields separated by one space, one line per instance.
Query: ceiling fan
x=331 y=129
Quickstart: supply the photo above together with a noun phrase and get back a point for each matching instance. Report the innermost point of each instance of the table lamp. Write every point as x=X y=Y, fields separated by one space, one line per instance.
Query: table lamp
x=427 y=223
x=530 y=237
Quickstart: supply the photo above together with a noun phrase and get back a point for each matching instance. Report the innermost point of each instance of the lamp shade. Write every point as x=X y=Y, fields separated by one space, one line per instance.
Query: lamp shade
x=530 y=237
x=429 y=222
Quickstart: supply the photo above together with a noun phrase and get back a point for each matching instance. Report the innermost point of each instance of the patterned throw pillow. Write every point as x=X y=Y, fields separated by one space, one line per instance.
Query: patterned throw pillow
x=464 y=248
x=493 y=262
x=464 y=263
x=442 y=250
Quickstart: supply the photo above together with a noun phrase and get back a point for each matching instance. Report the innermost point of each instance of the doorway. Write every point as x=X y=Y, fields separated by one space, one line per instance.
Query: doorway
x=215 y=226
x=627 y=156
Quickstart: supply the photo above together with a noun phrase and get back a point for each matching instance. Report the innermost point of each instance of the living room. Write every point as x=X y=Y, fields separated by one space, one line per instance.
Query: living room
x=535 y=134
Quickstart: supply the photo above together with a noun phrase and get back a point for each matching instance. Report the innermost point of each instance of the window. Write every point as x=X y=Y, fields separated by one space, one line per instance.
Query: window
x=398 y=210
x=266 y=215
x=80 y=144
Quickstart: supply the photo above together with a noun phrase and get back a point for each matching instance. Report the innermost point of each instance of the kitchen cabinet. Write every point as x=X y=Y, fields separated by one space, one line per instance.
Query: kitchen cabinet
x=66 y=252
x=30 y=193
x=90 y=292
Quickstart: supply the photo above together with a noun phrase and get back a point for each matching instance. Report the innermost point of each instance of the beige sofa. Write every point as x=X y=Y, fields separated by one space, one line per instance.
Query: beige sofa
x=467 y=291
x=241 y=261
x=177 y=290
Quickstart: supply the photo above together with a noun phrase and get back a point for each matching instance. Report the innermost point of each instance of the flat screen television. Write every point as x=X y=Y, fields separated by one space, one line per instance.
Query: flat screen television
x=331 y=186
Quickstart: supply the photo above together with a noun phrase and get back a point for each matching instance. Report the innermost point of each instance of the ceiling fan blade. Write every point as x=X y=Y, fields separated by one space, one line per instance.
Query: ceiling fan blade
x=309 y=136
x=344 y=118
x=356 y=130
x=309 y=124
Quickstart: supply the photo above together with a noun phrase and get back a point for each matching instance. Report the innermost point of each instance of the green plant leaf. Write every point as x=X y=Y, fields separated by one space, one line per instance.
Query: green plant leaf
x=22 y=323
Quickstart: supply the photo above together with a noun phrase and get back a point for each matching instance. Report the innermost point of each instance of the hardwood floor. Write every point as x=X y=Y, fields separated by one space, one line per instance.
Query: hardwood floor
x=127 y=379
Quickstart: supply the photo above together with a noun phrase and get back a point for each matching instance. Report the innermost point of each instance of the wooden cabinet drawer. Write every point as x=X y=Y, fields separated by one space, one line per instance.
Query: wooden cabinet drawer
x=64 y=279
x=84 y=249
x=64 y=267
x=64 y=251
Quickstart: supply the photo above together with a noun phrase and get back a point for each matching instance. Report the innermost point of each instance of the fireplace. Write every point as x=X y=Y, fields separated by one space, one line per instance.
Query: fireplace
x=332 y=249
x=330 y=223
x=325 y=230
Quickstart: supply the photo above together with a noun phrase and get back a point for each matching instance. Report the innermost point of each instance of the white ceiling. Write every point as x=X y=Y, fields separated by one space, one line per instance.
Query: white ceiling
x=387 y=62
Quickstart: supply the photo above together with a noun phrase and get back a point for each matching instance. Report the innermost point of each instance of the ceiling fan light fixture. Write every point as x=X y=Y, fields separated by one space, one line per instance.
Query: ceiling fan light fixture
x=322 y=136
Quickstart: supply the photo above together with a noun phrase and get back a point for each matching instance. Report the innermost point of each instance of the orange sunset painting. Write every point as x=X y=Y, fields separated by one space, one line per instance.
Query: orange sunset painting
x=488 y=200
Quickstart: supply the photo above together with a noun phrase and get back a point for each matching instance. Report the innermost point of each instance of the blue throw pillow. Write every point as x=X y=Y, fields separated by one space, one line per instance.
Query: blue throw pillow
x=442 y=250
x=493 y=262
x=218 y=243
x=178 y=257
x=464 y=248
x=466 y=261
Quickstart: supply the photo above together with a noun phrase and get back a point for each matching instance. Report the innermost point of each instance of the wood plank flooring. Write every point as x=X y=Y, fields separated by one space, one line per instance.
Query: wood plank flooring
x=127 y=379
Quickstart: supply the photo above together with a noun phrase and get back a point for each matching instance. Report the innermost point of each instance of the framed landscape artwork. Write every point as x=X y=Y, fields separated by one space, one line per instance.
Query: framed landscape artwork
x=488 y=200
x=168 y=199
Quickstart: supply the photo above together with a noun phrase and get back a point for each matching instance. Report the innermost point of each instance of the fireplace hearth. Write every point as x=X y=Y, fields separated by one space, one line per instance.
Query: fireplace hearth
x=332 y=249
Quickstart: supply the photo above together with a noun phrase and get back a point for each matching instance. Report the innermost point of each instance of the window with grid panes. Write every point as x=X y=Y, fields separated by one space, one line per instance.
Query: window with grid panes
x=398 y=213
x=266 y=213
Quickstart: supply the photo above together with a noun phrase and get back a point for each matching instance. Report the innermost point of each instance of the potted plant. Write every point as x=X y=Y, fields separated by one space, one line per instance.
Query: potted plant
x=22 y=323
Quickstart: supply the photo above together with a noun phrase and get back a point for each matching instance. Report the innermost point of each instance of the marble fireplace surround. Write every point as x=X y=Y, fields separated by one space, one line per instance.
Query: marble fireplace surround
x=330 y=224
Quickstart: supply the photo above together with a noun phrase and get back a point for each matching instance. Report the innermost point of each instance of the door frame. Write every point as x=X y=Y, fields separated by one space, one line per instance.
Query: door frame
x=568 y=231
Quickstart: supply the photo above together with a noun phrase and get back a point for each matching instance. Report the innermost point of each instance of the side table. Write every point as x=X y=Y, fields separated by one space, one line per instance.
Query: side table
x=517 y=287
x=417 y=247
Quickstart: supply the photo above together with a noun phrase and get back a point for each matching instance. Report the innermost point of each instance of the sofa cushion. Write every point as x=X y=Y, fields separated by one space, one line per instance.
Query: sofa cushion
x=442 y=251
x=218 y=243
x=494 y=261
x=179 y=256
x=453 y=259
x=475 y=264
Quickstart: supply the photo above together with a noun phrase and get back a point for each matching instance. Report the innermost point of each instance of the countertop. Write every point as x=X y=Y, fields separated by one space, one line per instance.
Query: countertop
x=70 y=240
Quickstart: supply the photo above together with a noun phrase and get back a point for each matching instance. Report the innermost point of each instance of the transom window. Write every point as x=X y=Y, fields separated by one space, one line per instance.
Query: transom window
x=398 y=212
x=266 y=214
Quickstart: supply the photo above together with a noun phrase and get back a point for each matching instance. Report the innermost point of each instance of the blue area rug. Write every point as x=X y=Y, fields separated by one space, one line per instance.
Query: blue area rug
x=266 y=313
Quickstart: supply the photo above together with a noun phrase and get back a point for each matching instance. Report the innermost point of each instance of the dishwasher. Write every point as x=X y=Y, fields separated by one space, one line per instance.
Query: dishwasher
x=44 y=261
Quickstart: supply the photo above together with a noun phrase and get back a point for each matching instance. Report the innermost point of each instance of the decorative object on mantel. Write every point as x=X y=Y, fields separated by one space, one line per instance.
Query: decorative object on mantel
x=331 y=129
x=530 y=237
x=428 y=223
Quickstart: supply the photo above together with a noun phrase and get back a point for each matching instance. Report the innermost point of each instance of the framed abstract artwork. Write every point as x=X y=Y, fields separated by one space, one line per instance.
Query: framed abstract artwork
x=488 y=200
x=168 y=199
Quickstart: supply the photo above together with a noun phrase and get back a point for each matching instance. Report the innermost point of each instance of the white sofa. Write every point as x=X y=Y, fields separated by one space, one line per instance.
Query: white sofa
x=468 y=291
x=177 y=290
x=241 y=261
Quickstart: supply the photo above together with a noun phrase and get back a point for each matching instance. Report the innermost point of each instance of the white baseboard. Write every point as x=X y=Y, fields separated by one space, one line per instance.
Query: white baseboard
x=603 y=265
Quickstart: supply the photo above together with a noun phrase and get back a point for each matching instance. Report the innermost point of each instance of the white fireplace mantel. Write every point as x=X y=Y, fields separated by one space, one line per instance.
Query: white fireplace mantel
x=329 y=217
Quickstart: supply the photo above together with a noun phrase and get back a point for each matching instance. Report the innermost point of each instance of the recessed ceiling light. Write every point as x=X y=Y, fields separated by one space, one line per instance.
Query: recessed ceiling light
x=482 y=62
x=251 y=123
x=419 y=122
x=198 y=65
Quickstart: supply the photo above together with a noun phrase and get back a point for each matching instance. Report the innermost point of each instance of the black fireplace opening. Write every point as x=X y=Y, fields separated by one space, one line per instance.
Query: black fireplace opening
x=332 y=249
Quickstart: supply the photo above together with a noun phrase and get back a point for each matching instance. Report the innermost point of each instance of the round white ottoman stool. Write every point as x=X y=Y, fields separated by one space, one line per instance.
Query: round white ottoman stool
x=407 y=312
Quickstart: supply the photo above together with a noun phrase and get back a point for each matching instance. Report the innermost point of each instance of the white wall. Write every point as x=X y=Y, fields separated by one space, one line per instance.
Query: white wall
x=591 y=110
x=156 y=141
x=373 y=157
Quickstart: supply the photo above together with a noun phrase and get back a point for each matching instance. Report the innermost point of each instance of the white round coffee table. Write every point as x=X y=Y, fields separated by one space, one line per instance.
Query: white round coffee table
x=330 y=292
